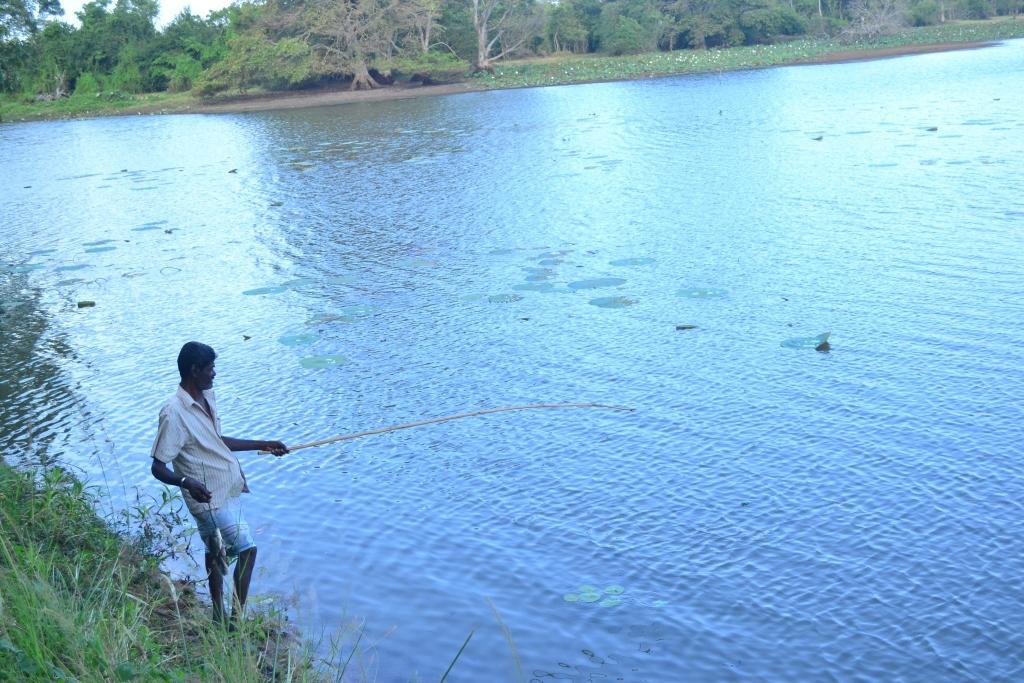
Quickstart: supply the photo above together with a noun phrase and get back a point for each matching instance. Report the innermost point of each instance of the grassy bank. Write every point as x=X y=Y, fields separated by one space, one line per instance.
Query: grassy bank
x=556 y=70
x=590 y=68
x=81 y=602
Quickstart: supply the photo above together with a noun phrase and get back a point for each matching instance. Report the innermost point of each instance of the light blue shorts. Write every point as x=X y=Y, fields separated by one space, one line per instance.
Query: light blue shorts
x=233 y=527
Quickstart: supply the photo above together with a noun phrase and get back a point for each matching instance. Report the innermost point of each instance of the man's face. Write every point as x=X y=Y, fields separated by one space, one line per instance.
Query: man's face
x=204 y=376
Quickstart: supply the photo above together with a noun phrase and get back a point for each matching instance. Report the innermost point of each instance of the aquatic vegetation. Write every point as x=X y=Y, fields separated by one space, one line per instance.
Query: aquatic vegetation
x=97 y=243
x=637 y=261
x=317 y=362
x=271 y=289
x=503 y=298
x=535 y=287
x=612 y=302
x=701 y=293
x=41 y=252
x=98 y=250
x=806 y=342
x=298 y=282
x=297 y=339
x=23 y=268
x=76 y=266
x=551 y=262
x=608 y=597
x=597 y=283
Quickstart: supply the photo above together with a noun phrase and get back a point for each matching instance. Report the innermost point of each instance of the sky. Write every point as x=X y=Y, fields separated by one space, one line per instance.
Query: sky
x=168 y=9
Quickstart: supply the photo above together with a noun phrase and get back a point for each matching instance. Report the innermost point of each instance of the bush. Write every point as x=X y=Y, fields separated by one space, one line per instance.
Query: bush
x=975 y=9
x=762 y=25
x=87 y=85
x=627 y=37
x=924 y=13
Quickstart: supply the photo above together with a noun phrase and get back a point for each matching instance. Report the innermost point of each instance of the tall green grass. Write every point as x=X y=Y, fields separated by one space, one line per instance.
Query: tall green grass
x=81 y=602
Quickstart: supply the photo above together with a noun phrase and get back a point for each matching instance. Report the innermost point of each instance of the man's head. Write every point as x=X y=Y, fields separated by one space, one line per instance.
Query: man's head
x=195 y=364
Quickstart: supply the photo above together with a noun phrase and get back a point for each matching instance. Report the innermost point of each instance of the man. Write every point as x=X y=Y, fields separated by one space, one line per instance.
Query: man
x=208 y=472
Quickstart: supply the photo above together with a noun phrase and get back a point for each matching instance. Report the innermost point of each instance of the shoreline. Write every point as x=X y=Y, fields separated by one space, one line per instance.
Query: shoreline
x=545 y=74
x=326 y=98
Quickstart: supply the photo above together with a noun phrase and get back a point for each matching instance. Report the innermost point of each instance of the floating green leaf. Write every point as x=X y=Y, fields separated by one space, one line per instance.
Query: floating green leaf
x=597 y=283
x=298 y=282
x=614 y=590
x=77 y=266
x=701 y=293
x=24 y=268
x=587 y=588
x=41 y=252
x=610 y=602
x=97 y=243
x=571 y=597
x=504 y=298
x=535 y=287
x=637 y=261
x=659 y=603
x=806 y=342
x=589 y=597
x=97 y=250
x=272 y=289
x=316 y=362
x=612 y=302
x=298 y=339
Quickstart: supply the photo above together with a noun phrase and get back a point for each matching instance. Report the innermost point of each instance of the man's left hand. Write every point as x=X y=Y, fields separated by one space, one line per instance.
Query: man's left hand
x=275 y=447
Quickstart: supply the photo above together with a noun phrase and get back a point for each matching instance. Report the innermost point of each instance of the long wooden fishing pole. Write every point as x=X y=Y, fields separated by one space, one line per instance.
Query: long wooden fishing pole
x=446 y=418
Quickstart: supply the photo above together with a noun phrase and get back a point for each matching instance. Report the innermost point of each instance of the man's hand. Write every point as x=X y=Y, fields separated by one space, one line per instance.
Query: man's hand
x=275 y=447
x=197 y=490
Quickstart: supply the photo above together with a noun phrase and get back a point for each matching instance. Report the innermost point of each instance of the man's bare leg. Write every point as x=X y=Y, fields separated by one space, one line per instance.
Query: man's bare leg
x=216 y=589
x=243 y=574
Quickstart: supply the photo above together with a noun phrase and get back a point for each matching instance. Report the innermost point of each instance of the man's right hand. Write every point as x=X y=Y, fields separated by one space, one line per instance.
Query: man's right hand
x=197 y=490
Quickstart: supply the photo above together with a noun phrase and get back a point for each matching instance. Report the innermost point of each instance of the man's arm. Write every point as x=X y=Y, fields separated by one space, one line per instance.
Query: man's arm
x=275 y=447
x=195 y=488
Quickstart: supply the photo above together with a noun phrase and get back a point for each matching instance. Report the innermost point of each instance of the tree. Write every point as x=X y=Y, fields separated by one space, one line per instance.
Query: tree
x=348 y=35
x=505 y=23
x=20 y=19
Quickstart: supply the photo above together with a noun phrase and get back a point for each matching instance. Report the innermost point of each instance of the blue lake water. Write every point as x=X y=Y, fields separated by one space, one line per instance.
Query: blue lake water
x=768 y=512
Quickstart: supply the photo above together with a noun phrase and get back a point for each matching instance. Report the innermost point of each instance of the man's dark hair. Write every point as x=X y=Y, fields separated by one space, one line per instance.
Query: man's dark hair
x=194 y=353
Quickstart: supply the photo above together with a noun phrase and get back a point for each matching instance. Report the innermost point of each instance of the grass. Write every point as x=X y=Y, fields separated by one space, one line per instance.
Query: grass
x=565 y=69
x=80 y=602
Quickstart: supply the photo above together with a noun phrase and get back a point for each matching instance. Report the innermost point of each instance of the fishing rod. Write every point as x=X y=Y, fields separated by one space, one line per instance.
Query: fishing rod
x=446 y=418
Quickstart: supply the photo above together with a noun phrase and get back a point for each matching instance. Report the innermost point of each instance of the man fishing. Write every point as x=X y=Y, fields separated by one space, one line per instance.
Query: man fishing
x=208 y=473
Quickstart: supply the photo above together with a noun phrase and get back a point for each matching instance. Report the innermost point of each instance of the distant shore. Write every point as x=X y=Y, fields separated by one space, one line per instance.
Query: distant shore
x=559 y=69
x=402 y=91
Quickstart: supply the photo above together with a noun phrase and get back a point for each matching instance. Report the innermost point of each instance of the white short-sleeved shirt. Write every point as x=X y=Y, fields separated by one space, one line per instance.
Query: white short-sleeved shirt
x=191 y=441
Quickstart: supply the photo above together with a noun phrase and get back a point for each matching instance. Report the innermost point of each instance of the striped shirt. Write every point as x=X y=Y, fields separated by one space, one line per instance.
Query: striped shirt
x=190 y=439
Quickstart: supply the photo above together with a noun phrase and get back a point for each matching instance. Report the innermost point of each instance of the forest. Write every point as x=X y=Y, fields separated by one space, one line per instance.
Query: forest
x=117 y=50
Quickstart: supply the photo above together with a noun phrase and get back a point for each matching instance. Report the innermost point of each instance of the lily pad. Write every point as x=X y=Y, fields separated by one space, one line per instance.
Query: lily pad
x=503 y=298
x=272 y=289
x=98 y=250
x=610 y=602
x=76 y=266
x=612 y=302
x=659 y=603
x=806 y=342
x=298 y=339
x=149 y=226
x=97 y=243
x=24 y=268
x=701 y=293
x=298 y=282
x=41 y=252
x=587 y=588
x=637 y=261
x=614 y=590
x=589 y=597
x=316 y=362
x=597 y=283
x=571 y=597
x=535 y=287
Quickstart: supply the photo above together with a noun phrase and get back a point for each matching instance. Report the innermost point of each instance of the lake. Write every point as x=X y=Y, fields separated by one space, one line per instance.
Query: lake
x=767 y=512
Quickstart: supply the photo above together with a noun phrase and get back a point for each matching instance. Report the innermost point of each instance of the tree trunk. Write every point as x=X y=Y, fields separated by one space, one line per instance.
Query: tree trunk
x=483 y=63
x=361 y=78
